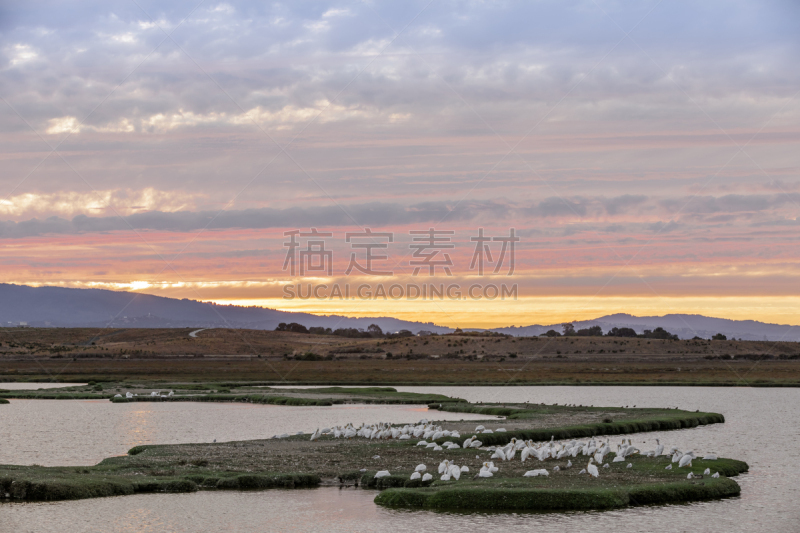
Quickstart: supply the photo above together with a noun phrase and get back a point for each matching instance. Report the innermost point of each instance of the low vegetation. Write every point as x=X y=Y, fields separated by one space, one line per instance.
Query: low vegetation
x=646 y=483
x=606 y=421
x=298 y=462
x=144 y=391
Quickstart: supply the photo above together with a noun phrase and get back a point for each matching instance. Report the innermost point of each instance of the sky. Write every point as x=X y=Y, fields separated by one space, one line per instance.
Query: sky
x=644 y=153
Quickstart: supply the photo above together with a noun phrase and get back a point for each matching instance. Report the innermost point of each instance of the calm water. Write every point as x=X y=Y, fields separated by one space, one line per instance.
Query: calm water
x=763 y=428
x=84 y=432
x=35 y=386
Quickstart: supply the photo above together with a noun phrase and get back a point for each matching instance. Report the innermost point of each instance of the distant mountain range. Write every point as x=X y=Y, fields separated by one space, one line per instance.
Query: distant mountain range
x=63 y=307
x=684 y=326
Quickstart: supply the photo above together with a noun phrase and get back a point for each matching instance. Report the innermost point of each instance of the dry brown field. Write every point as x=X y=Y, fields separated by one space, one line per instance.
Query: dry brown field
x=66 y=354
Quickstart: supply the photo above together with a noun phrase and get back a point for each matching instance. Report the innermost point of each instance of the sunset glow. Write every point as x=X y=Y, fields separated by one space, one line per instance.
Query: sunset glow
x=648 y=165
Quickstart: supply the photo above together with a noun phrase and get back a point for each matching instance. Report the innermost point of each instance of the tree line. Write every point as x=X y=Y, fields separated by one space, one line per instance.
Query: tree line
x=373 y=331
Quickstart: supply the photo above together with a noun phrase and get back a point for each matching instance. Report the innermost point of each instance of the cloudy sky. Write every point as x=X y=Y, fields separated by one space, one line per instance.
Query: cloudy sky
x=646 y=153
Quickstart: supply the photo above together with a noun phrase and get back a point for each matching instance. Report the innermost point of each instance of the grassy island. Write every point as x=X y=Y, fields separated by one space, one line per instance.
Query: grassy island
x=252 y=392
x=298 y=462
x=646 y=483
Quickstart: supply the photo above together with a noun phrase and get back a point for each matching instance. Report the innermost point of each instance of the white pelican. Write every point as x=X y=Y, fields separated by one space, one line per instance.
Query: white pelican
x=415 y=475
x=686 y=460
x=659 y=448
x=427 y=477
x=707 y=472
x=591 y=468
x=715 y=475
x=669 y=467
x=536 y=473
x=420 y=468
x=382 y=473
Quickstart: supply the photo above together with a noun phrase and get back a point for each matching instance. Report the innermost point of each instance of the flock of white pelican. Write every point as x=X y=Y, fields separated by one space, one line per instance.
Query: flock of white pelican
x=429 y=434
x=155 y=394
x=383 y=430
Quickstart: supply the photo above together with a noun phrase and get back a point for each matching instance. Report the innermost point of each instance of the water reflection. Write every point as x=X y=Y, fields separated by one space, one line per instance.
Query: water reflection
x=84 y=432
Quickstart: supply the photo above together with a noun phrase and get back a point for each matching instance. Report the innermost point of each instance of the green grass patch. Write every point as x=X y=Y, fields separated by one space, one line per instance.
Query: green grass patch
x=646 y=484
x=50 y=394
x=636 y=421
x=538 y=499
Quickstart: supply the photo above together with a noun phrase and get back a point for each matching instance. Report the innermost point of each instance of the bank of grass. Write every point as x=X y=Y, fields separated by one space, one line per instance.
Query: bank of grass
x=529 y=499
x=646 y=483
x=59 y=483
x=228 y=392
x=634 y=421
x=36 y=483
x=243 y=398
x=3 y=400
x=381 y=395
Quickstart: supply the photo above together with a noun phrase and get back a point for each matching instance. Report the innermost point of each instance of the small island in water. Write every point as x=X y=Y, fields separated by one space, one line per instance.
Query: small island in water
x=522 y=457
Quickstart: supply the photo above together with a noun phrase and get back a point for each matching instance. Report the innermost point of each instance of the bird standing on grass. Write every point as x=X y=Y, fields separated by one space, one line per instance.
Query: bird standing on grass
x=591 y=468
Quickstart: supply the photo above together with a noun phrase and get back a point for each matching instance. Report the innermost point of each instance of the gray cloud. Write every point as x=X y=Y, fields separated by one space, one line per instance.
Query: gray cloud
x=663 y=227
x=622 y=203
x=368 y=214
x=414 y=134
x=273 y=55
x=731 y=203
x=373 y=214
x=558 y=207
